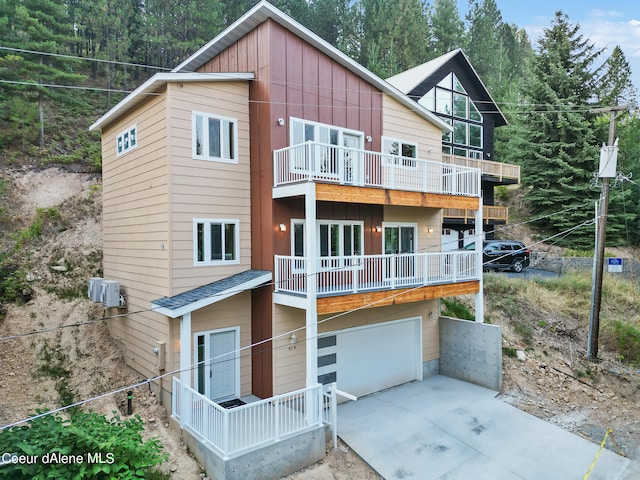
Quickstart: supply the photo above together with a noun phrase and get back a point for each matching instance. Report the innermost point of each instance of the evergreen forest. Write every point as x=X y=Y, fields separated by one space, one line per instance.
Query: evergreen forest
x=64 y=63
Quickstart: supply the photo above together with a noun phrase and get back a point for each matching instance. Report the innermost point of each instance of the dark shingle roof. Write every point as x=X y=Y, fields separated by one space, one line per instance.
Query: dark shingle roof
x=212 y=292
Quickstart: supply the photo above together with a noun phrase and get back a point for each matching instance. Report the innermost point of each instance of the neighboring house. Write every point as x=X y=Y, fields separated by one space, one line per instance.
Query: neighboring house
x=270 y=218
x=450 y=87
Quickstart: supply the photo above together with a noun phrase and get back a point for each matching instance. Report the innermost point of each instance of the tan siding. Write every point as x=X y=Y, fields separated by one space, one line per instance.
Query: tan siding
x=135 y=225
x=289 y=364
x=139 y=332
x=402 y=123
x=231 y=312
x=425 y=218
x=207 y=189
x=135 y=200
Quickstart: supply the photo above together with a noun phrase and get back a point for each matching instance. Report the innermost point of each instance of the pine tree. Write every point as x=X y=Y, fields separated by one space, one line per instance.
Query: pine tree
x=395 y=35
x=616 y=87
x=33 y=26
x=446 y=27
x=555 y=140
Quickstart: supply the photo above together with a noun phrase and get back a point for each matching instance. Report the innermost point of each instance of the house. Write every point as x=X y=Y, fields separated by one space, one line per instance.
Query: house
x=450 y=87
x=272 y=215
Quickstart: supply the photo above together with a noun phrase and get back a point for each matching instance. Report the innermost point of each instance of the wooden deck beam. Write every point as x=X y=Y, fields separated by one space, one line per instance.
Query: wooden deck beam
x=378 y=196
x=343 y=303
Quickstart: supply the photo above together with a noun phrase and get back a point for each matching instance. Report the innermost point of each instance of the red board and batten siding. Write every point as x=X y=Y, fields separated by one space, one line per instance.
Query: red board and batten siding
x=292 y=79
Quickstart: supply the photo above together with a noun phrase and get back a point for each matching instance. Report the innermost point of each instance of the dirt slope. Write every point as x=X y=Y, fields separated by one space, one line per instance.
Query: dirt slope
x=37 y=371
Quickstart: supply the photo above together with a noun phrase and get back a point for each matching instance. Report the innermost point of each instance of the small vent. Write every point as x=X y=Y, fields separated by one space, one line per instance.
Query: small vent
x=110 y=293
x=95 y=289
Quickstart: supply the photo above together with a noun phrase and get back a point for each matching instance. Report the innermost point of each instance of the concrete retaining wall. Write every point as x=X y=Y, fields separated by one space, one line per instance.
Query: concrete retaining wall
x=471 y=351
x=272 y=461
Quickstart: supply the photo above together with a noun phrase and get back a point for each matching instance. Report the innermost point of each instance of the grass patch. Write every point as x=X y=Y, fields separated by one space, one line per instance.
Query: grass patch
x=509 y=352
x=623 y=337
x=456 y=309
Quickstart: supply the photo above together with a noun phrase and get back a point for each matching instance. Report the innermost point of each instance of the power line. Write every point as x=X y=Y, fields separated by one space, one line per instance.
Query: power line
x=226 y=355
x=75 y=57
x=274 y=283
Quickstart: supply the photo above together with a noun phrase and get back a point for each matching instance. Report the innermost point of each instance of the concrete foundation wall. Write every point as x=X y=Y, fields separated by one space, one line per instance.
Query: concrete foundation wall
x=272 y=461
x=430 y=368
x=471 y=352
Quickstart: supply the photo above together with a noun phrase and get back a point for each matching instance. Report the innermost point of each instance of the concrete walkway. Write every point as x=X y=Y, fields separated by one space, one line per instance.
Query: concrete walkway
x=444 y=428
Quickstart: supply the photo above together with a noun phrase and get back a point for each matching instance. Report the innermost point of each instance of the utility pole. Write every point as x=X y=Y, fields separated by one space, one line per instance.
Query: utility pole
x=601 y=236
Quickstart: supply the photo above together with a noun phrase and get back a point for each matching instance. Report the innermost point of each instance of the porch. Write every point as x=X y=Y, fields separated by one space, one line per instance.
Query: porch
x=272 y=438
x=318 y=162
x=353 y=274
x=232 y=432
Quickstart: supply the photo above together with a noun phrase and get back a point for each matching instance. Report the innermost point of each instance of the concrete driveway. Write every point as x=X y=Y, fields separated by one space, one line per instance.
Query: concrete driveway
x=444 y=428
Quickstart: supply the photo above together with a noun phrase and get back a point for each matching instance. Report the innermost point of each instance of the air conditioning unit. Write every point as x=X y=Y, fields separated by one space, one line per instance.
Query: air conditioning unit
x=110 y=293
x=95 y=289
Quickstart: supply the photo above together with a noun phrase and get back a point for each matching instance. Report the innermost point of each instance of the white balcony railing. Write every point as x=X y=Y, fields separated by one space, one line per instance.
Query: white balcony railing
x=318 y=162
x=341 y=275
x=241 y=429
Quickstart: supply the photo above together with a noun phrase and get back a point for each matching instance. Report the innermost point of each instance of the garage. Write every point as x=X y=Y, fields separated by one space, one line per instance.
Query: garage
x=368 y=359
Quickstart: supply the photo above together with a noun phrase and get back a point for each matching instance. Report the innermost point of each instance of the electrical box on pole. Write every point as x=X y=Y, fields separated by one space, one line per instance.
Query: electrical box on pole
x=608 y=160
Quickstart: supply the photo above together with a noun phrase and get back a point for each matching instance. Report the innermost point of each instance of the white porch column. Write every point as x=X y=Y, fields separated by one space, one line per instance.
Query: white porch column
x=185 y=367
x=185 y=349
x=479 y=236
x=312 y=283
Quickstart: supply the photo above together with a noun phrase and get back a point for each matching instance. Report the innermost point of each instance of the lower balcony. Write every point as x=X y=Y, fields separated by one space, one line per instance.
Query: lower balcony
x=356 y=274
x=491 y=214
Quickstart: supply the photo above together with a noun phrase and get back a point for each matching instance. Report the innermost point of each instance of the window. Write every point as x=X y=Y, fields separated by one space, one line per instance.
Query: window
x=475 y=136
x=215 y=241
x=340 y=238
x=402 y=151
x=459 y=133
x=453 y=105
x=127 y=140
x=214 y=138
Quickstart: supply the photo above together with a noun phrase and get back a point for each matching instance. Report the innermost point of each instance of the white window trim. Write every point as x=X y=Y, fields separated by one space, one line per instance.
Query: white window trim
x=399 y=160
x=207 y=253
x=413 y=225
x=317 y=125
x=195 y=156
x=120 y=137
x=342 y=224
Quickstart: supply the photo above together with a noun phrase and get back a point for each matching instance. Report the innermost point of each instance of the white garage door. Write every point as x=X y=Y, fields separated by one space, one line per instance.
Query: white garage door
x=367 y=359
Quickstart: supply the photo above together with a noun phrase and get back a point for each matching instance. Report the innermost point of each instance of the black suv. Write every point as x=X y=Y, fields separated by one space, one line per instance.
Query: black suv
x=503 y=255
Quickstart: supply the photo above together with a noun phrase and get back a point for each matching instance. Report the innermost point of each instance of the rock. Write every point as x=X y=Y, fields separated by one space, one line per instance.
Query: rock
x=521 y=355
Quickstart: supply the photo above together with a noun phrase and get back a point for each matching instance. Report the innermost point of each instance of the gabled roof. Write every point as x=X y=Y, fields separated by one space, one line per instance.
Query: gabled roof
x=155 y=84
x=408 y=80
x=264 y=11
x=209 y=294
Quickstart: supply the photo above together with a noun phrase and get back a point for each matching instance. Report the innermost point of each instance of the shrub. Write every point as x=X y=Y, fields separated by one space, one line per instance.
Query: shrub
x=86 y=446
x=456 y=309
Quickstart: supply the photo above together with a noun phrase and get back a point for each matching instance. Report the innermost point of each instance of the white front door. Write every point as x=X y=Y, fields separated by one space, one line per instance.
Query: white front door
x=218 y=369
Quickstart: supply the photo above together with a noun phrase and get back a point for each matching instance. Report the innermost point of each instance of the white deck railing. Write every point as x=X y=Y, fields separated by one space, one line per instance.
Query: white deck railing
x=241 y=429
x=318 y=162
x=340 y=275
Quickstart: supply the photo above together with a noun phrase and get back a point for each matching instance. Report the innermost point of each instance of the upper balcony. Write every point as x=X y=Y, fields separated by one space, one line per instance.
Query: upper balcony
x=323 y=163
x=500 y=172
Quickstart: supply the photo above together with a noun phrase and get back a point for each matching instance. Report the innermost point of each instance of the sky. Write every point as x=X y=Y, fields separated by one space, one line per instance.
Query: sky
x=606 y=24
